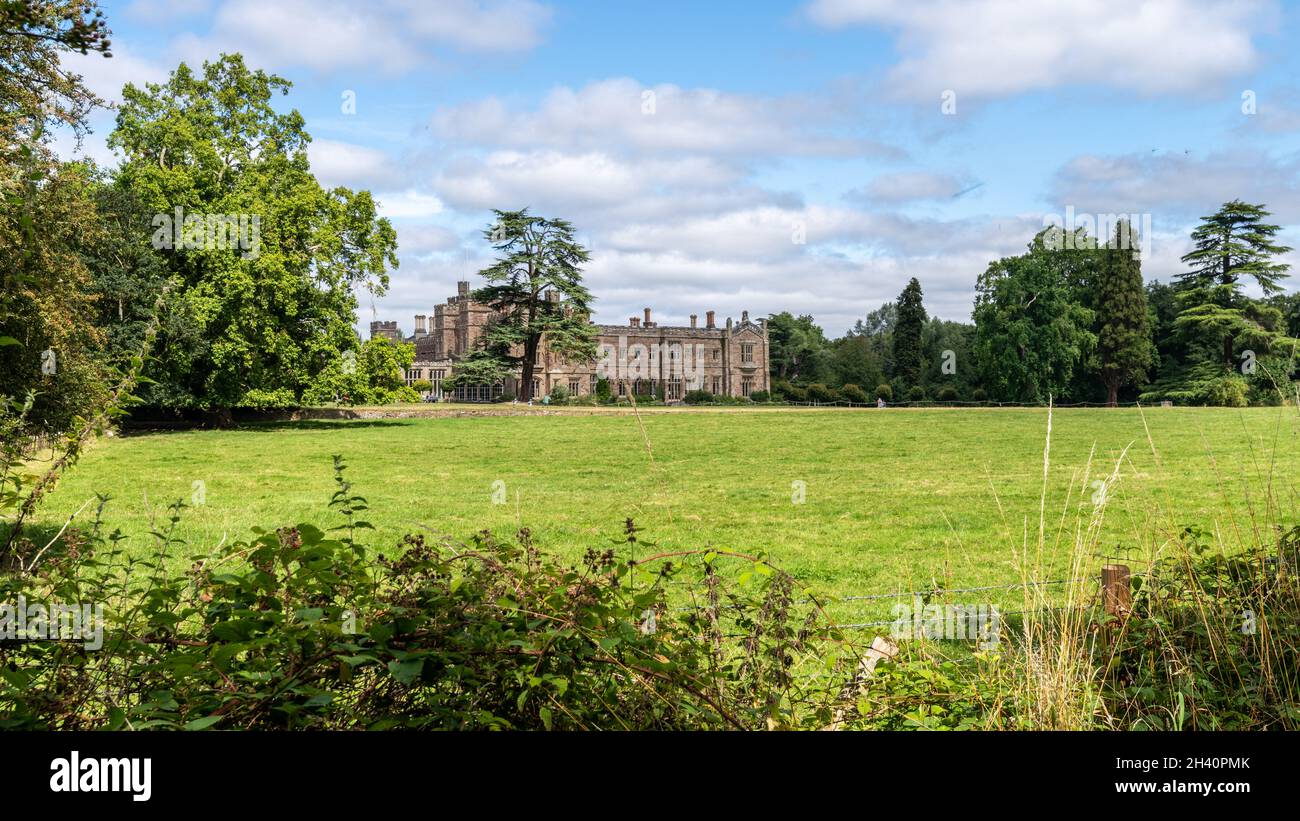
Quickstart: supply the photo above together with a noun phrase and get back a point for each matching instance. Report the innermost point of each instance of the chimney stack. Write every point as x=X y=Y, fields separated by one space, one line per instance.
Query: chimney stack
x=648 y=323
x=708 y=320
x=634 y=322
x=419 y=325
x=692 y=320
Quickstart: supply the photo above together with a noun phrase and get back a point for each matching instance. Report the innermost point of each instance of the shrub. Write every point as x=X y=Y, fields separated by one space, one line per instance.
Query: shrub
x=885 y=392
x=697 y=397
x=1191 y=641
x=916 y=394
x=602 y=390
x=794 y=393
x=979 y=395
x=854 y=394
x=1228 y=392
x=817 y=392
x=758 y=396
x=946 y=394
x=559 y=392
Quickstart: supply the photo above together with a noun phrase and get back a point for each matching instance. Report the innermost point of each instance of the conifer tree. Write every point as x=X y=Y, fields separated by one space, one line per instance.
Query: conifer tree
x=1124 y=348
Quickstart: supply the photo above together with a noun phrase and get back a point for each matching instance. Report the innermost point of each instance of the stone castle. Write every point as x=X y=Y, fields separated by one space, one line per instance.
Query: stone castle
x=642 y=358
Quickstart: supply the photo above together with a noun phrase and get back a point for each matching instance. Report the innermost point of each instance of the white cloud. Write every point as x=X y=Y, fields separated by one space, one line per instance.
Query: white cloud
x=1177 y=188
x=392 y=35
x=662 y=118
x=407 y=204
x=606 y=187
x=355 y=166
x=988 y=48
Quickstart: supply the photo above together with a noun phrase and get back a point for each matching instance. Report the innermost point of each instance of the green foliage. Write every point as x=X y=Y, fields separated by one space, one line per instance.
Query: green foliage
x=535 y=286
x=266 y=311
x=759 y=396
x=1213 y=641
x=559 y=393
x=1124 y=348
x=885 y=391
x=307 y=628
x=602 y=390
x=854 y=394
x=1031 y=334
x=817 y=392
x=946 y=393
x=798 y=348
x=697 y=397
x=1206 y=383
x=907 y=335
x=916 y=394
x=376 y=375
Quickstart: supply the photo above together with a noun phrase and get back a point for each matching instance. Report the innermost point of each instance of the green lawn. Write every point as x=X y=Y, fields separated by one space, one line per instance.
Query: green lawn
x=893 y=498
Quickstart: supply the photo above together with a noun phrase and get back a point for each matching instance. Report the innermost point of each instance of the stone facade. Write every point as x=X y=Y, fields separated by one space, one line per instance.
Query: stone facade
x=642 y=356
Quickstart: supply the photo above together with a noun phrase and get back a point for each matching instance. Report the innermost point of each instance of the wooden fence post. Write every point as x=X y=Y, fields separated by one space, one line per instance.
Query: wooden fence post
x=1116 y=590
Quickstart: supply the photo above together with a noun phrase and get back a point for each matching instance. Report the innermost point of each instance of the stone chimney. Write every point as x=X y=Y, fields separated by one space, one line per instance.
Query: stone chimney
x=634 y=322
x=648 y=323
x=419 y=325
x=708 y=320
x=692 y=320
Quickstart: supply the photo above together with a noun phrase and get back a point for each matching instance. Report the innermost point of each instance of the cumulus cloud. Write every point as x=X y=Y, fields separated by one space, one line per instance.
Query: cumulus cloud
x=987 y=48
x=355 y=166
x=393 y=35
x=1178 y=187
x=662 y=118
x=408 y=204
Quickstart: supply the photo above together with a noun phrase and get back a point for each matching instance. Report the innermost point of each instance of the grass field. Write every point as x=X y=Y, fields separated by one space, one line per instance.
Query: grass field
x=892 y=499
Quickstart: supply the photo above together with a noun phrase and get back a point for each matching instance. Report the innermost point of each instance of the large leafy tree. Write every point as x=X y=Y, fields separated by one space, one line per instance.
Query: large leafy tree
x=1124 y=348
x=908 y=355
x=48 y=348
x=261 y=318
x=1234 y=244
x=1030 y=333
x=799 y=350
x=535 y=287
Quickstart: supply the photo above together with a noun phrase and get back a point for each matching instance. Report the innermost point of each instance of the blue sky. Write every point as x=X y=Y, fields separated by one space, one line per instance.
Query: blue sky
x=694 y=145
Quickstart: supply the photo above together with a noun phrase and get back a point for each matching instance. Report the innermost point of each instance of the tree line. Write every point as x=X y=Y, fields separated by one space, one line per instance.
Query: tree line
x=1071 y=320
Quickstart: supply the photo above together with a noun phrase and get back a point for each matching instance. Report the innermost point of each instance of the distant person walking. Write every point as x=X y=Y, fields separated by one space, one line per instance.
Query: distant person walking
x=880 y=401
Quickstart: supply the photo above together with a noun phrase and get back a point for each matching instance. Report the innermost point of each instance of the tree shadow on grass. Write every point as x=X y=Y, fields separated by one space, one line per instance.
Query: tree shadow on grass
x=322 y=424
x=270 y=427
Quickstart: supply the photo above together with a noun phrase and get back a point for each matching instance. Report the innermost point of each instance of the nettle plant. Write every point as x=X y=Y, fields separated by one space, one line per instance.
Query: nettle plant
x=304 y=627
